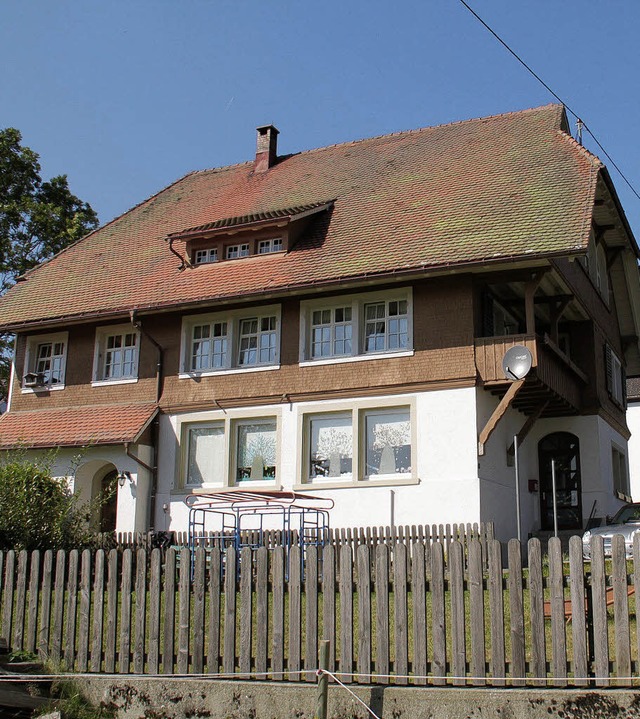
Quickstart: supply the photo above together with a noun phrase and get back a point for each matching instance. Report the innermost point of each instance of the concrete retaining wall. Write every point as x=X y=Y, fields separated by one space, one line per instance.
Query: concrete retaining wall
x=187 y=699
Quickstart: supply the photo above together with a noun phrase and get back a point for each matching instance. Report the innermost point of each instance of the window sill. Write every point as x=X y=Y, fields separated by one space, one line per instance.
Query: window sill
x=352 y=484
x=622 y=496
x=215 y=488
x=221 y=372
x=111 y=382
x=38 y=390
x=357 y=358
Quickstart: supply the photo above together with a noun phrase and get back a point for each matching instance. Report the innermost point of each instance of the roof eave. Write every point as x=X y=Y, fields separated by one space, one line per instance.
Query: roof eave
x=349 y=281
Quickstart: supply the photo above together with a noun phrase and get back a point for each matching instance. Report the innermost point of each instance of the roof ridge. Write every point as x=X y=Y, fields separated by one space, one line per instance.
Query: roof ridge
x=222 y=168
x=418 y=130
x=398 y=133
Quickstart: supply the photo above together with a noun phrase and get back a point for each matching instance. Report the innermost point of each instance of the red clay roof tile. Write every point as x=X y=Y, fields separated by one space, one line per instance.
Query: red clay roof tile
x=75 y=426
x=491 y=189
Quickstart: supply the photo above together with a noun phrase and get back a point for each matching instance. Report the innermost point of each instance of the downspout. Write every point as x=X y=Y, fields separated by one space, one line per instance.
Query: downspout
x=183 y=262
x=154 y=470
x=12 y=372
x=138 y=325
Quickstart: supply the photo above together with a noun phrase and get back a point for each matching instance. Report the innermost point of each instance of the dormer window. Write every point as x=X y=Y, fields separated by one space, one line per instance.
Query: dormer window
x=266 y=246
x=235 y=251
x=202 y=257
x=264 y=232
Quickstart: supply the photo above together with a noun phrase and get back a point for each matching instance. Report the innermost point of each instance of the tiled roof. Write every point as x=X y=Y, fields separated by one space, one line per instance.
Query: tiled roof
x=289 y=213
x=75 y=426
x=486 y=190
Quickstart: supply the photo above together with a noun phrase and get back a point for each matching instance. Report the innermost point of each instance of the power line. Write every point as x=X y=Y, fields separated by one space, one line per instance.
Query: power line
x=557 y=97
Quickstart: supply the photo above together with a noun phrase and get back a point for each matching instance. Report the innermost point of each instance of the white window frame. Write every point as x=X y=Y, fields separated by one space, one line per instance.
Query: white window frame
x=235 y=252
x=307 y=443
x=186 y=439
x=235 y=451
x=218 y=345
x=234 y=321
x=620 y=473
x=273 y=244
x=205 y=256
x=357 y=302
x=100 y=353
x=229 y=421
x=358 y=415
x=31 y=360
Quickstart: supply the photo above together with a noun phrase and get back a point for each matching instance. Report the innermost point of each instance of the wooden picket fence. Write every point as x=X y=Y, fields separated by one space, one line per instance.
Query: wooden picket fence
x=399 y=613
x=352 y=537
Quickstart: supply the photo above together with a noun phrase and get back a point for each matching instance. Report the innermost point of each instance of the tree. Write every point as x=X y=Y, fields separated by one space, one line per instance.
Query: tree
x=37 y=219
x=38 y=511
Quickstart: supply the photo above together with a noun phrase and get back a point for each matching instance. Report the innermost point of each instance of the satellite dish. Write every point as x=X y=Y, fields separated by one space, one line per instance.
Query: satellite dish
x=517 y=362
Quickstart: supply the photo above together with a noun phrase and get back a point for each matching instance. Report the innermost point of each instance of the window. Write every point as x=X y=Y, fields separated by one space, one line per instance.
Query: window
x=620 y=475
x=257 y=341
x=235 y=251
x=386 y=326
x=331 y=332
x=205 y=454
x=209 y=346
x=331 y=446
x=602 y=273
x=201 y=257
x=595 y=263
x=356 y=326
x=616 y=381
x=231 y=341
x=358 y=444
x=230 y=451
x=45 y=362
x=267 y=246
x=255 y=450
x=388 y=442
x=116 y=355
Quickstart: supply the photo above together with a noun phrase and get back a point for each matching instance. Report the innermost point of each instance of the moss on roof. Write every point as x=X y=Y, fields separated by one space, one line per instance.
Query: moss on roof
x=491 y=189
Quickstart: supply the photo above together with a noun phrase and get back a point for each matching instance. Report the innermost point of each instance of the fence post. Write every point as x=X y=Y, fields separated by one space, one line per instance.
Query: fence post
x=323 y=681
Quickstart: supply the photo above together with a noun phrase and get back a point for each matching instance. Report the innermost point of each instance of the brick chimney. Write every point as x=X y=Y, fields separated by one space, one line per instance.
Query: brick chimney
x=267 y=148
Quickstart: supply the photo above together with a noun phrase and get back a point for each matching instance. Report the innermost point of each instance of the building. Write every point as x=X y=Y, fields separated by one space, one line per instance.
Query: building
x=335 y=321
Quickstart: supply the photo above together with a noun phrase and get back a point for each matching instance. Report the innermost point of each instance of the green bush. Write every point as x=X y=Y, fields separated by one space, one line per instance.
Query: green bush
x=71 y=703
x=38 y=511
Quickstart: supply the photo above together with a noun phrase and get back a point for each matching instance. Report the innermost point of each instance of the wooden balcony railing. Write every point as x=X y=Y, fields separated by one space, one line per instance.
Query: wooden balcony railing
x=553 y=376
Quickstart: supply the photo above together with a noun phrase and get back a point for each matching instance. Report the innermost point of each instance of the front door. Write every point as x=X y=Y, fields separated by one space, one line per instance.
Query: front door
x=563 y=449
x=109 y=500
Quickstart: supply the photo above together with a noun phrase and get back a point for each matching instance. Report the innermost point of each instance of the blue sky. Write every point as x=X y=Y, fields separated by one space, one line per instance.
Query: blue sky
x=125 y=97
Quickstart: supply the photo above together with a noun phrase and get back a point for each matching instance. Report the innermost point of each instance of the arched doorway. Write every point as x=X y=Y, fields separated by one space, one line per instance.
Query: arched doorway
x=109 y=501
x=96 y=485
x=563 y=448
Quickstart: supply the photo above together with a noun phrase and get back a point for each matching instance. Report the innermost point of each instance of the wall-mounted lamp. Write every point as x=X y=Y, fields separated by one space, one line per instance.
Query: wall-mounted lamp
x=123 y=477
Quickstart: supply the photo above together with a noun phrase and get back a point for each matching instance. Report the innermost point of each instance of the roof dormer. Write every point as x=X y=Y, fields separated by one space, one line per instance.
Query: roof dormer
x=257 y=234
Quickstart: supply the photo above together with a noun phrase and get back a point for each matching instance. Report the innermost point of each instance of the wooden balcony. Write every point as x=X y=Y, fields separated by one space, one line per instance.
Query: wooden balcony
x=554 y=386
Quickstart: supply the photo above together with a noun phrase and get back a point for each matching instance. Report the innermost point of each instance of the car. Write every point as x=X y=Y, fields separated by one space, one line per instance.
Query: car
x=626 y=522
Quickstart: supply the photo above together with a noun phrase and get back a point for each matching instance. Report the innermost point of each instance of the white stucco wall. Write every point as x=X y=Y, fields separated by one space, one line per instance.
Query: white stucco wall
x=633 y=422
x=444 y=484
x=497 y=479
x=85 y=467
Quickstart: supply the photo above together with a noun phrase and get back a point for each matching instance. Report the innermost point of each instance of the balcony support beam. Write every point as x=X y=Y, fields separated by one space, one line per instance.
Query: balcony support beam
x=529 y=301
x=498 y=414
